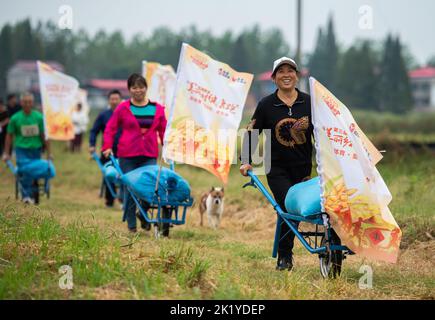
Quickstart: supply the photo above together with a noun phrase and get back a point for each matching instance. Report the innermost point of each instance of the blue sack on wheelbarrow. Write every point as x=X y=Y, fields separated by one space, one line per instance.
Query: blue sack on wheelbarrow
x=172 y=187
x=37 y=169
x=304 y=198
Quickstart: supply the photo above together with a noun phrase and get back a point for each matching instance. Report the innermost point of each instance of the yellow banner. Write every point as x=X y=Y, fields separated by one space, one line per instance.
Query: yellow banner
x=59 y=99
x=353 y=192
x=205 y=113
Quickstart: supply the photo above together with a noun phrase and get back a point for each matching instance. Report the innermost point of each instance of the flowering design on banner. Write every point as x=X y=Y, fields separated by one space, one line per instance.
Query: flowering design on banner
x=161 y=82
x=205 y=113
x=353 y=192
x=59 y=94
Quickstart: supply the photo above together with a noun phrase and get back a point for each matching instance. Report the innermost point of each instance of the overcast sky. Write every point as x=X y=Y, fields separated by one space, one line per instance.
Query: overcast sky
x=413 y=20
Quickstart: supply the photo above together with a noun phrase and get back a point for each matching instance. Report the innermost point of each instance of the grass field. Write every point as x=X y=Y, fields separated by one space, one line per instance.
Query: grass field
x=74 y=228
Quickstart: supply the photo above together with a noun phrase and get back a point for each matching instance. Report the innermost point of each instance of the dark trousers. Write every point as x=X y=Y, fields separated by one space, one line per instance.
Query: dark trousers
x=108 y=195
x=76 y=143
x=280 y=179
x=127 y=165
x=2 y=139
x=24 y=155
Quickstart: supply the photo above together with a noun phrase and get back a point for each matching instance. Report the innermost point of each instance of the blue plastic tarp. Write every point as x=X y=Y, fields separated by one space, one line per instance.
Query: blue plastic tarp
x=37 y=169
x=172 y=188
x=110 y=172
x=304 y=198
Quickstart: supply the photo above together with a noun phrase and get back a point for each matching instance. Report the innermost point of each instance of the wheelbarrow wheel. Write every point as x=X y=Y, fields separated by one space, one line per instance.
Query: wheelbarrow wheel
x=331 y=262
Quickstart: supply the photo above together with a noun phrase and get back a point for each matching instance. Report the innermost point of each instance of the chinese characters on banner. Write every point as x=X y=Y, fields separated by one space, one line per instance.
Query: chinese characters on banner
x=161 y=83
x=353 y=192
x=205 y=113
x=59 y=99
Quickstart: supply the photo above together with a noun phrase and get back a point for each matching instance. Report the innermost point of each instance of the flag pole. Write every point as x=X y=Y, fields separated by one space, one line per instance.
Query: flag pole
x=299 y=32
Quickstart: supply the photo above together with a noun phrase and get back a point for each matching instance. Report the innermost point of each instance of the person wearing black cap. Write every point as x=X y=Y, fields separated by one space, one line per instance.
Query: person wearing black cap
x=287 y=114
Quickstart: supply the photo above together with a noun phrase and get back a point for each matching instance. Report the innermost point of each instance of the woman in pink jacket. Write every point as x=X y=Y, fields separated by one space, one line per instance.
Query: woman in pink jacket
x=141 y=122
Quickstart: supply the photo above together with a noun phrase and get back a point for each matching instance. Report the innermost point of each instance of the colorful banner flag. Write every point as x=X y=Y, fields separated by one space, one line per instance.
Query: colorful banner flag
x=353 y=192
x=59 y=99
x=205 y=113
x=161 y=83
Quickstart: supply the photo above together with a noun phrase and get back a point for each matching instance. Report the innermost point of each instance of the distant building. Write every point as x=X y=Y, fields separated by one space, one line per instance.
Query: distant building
x=23 y=76
x=99 y=88
x=423 y=88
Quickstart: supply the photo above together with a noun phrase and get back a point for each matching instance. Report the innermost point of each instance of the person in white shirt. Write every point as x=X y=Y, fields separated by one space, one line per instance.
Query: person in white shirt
x=80 y=122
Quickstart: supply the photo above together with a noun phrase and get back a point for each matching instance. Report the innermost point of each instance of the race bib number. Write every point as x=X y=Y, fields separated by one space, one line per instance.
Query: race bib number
x=30 y=131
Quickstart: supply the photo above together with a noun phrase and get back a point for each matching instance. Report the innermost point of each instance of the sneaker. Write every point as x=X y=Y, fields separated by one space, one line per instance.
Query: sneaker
x=132 y=230
x=285 y=263
x=28 y=200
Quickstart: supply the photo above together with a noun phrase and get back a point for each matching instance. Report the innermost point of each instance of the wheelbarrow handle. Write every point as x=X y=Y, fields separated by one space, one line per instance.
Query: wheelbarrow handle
x=11 y=167
x=97 y=160
x=257 y=183
x=95 y=156
x=250 y=183
x=115 y=164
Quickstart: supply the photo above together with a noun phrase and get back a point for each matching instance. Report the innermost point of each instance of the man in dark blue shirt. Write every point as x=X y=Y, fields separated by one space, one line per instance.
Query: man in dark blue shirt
x=100 y=123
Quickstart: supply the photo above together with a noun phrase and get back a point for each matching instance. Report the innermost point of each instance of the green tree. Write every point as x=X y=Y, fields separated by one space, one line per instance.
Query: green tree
x=27 y=44
x=315 y=63
x=394 y=83
x=240 y=58
x=222 y=46
x=164 y=46
x=358 y=81
x=273 y=46
x=111 y=55
x=323 y=63
x=6 y=55
x=404 y=97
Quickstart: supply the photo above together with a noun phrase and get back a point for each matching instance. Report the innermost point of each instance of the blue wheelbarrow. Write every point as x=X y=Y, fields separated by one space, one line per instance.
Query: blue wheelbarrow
x=35 y=170
x=161 y=195
x=323 y=241
x=110 y=177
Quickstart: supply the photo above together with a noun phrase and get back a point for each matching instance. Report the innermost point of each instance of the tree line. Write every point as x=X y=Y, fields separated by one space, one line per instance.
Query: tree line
x=366 y=75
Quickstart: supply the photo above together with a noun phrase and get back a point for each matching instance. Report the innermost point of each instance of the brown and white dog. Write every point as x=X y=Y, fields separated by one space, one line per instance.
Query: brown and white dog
x=213 y=203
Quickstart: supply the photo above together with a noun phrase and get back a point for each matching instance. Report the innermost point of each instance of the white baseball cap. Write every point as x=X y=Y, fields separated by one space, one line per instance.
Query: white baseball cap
x=284 y=60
